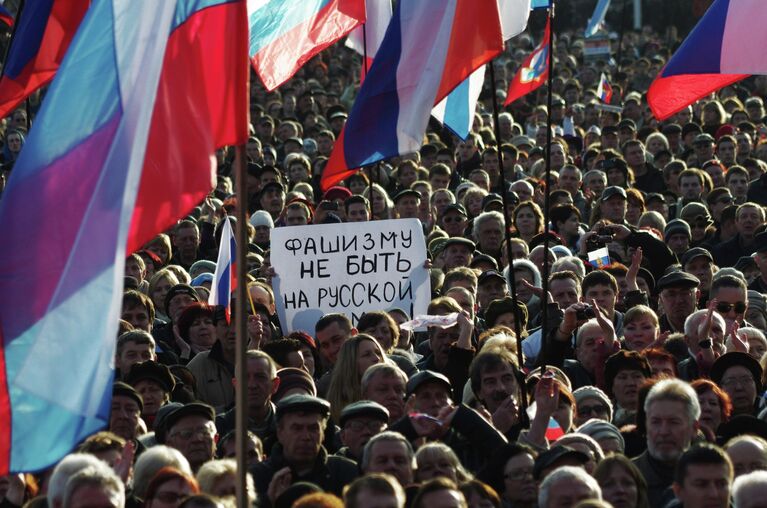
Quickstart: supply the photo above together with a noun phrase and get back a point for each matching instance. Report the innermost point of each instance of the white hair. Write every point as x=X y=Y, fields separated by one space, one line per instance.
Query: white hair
x=567 y=473
x=525 y=264
x=677 y=390
x=572 y=263
x=100 y=475
x=64 y=470
x=151 y=461
x=747 y=487
x=694 y=320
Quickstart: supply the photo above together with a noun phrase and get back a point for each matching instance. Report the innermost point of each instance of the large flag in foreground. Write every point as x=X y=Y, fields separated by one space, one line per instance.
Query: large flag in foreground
x=456 y=111
x=429 y=48
x=534 y=70
x=68 y=208
x=42 y=36
x=285 y=34
x=727 y=45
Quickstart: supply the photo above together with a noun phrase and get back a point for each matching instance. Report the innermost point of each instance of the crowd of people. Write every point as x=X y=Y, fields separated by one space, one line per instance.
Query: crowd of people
x=643 y=387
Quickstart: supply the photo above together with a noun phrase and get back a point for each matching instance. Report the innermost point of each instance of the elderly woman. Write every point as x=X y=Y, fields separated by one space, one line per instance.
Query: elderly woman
x=437 y=460
x=715 y=405
x=196 y=327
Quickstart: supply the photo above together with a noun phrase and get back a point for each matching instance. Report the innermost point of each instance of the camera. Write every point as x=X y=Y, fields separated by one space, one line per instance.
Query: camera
x=585 y=313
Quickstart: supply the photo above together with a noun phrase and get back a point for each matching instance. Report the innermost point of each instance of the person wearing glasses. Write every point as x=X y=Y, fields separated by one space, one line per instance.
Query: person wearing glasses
x=191 y=430
x=731 y=295
x=510 y=473
x=741 y=377
x=591 y=403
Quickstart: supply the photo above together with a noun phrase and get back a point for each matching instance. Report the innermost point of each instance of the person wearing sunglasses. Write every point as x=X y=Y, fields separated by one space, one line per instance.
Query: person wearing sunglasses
x=732 y=299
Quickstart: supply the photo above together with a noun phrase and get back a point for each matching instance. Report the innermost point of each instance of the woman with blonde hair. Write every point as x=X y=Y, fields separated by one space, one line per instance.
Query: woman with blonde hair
x=159 y=285
x=437 y=460
x=381 y=205
x=641 y=328
x=356 y=355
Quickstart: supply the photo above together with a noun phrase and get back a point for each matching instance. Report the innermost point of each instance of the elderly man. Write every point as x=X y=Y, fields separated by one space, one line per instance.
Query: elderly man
x=750 y=490
x=390 y=452
x=566 y=487
x=671 y=414
x=677 y=296
x=359 y=422
x=748 y=454
x=488 y=233
x=299 y=454
x=704 y=336
x=384 y=383
x=190 y=429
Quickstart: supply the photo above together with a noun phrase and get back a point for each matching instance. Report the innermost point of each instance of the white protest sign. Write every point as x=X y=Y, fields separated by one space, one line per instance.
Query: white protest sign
x=350 y=268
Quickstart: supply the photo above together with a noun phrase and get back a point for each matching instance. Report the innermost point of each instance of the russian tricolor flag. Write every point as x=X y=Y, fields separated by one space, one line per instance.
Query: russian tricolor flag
x=68 y=211
x=727 y=45
x=456 y=111
x=285 y=34
x=225 y=277
x=42 y=36
x=553 y=431
x=430 y=47
x=604 y=90
x=366 y=39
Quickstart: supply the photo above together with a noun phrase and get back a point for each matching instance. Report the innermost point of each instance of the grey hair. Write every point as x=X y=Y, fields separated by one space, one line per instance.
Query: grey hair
x=212 y=471
x=744 y=487
x=695 y=319
x=567 y=473
x=100 y=475
x=593 y=172
x=387 y=435
x=385 y=369
x=676 y=390
x=64 y=470
x=151 y=461
x=480 y=220
x=525 y=264
x=569 y=262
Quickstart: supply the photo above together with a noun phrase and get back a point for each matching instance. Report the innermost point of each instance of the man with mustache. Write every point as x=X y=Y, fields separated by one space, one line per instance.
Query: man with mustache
x=672 y=411
x=494 y=381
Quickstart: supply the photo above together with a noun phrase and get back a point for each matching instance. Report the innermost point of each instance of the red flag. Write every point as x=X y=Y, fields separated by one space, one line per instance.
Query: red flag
x=534 y=71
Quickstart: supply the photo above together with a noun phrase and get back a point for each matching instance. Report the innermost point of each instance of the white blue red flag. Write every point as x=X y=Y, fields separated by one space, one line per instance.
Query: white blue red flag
x=430 y=47
x=377 y=16
x=225 y=276
x=456 y=111
x=597 y=18
x=533 y=71
x=285 y=34
x=43 y=33
x=726 y=45
x=604 y=90
x=69 y=212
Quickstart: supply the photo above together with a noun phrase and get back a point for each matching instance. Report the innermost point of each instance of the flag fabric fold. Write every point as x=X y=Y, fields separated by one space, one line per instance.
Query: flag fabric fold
x=285 y=34
x=377 y=16
x=68 y=209
x=430 y=47
x=6 y=16
x=726 y=45
x=456 y=111
x=225 y=276
x=534 y=70
x=43 y=34
x=597 y=18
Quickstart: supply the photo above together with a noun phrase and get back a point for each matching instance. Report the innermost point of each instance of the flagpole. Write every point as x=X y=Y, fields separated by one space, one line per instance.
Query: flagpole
x=241 y=327
x=511 y=280
x=365 y=74
x=620 y=38
x=13 y=35
x=241 y=305
x=546 y=196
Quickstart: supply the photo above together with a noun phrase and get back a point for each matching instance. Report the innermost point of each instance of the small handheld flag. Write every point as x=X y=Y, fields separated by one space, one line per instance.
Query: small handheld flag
x=604 y=91
x=554 y=431
x=599 y=258
x=533 y=72
x=224 y=279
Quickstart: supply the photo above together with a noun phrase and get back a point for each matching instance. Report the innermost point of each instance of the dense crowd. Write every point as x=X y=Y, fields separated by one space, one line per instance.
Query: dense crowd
x=645 y=391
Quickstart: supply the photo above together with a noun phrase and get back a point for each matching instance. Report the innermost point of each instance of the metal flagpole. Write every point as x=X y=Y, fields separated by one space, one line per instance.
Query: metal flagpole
x=511 y=280
x=546 y=195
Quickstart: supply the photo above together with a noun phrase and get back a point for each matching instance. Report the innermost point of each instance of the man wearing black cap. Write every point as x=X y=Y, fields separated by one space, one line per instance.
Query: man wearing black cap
x=190 y=430
x=126 y=410
x=155 y=383
x=678 y=297
x=703 y=145
x=272 y=199
x=471 y=437
x=457 y=252
x=360 y=421
x=299 y=454
x=491 y=285
x=454 y=220
x=699 y=262
x=613 y=204
x=406 y=204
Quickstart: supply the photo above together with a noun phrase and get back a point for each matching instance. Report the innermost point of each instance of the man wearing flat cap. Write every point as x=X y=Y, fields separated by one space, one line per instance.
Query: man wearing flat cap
x=678 y=297
x=191 y=430
x=154 y=382
x=359 y=422
x=299 y=454
x=126 y=411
